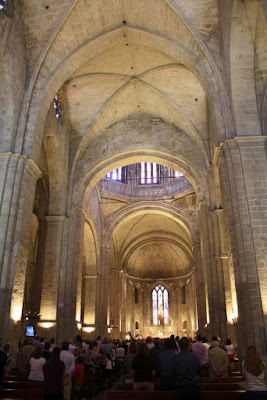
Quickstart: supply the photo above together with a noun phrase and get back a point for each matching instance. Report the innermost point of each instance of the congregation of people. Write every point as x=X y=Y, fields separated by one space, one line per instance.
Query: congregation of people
x=176 y=364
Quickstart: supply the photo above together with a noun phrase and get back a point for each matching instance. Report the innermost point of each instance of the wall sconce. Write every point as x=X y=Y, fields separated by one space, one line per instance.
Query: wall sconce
x=88 y=329
x=16 y=314
x=46 y=324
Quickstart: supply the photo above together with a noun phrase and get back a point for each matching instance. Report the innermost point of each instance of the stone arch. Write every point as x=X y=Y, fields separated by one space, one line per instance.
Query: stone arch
x=85 y=183
x=148 y=208
x=49 y=76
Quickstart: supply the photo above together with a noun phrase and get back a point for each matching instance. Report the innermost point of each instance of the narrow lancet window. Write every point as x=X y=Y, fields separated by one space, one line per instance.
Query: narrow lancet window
x=160 y=305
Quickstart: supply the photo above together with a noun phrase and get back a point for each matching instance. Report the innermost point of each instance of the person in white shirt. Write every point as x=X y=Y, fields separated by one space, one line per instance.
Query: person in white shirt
x=69 y=361
x=37 y=364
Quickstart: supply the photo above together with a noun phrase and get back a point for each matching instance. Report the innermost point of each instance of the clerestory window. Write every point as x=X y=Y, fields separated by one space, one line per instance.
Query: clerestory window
x=3 y=4
x=160 y=305
x=57 y=107
x=118 y=174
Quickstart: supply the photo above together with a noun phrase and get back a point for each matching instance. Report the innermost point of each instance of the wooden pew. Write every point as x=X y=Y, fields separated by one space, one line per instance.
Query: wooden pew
x=23 y=390
x=212 y=384
x=223 y=379
x=218 y=386
x=21 y=394
x=159 y=395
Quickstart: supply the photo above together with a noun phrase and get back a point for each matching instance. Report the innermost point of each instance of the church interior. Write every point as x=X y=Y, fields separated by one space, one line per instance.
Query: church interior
x=133 y=168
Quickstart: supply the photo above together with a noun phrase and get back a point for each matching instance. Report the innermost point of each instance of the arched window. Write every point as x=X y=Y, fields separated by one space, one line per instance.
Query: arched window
x=183 y=297
x=149 y=173
x=136 y=325
x=136 y=295
x=118 y=174
x=3 y=4
x=57 y=107
x=160 y=305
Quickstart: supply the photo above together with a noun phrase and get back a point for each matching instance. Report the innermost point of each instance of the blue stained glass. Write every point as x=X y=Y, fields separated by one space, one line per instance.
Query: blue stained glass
x=2 y=6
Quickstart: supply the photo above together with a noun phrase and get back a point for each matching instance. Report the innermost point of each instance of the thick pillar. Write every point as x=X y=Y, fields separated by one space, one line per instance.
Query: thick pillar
x=242 y=165
x=70 y=284
x=56 y=226
x=103 y=293
x=219 y=275
x=18 y=176
x=201 y=289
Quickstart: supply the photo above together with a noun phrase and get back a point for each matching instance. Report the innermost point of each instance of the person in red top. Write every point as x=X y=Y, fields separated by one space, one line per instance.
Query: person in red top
x=78 y=378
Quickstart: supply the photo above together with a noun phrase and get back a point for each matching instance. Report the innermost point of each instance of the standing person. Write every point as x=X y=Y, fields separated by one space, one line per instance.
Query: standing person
x=25 y=355
x=166 y=363
x=229 y=348
x=143 y=368
x=78 y=377
x=6 y=349
x=200 y=350
x=37 y=363
x=186 y=368
x=54 y=373
x=53 y=343
x=3 y=366
x=46 y=352
x=253 y=369
x=154 y=355
x=129 y=378
x=218 y=360
x=69 y=361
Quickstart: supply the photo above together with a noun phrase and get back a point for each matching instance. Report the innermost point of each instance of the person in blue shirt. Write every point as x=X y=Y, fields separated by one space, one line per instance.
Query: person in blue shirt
x=186 y=368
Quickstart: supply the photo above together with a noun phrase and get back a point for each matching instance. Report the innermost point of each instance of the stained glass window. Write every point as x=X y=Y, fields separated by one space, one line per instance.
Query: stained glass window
x=149 y=173
x=57 y=107
x=118 y=174
x=160 y=305
x=3 y=4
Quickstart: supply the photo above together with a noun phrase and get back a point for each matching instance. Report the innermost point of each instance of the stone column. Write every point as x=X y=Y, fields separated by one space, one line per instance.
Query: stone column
x=123 y=304
x=52 y=265
x=89 y=300
x=209 y=243
x=242 y=165
x=103 y=293
x=70 y=284
x=219 y=275
x=18 y=176
x=201 y=289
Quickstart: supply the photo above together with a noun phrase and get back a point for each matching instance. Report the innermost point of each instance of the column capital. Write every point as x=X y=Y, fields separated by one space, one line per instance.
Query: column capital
x=105 y=249
x=58 y=218
x=32 y=166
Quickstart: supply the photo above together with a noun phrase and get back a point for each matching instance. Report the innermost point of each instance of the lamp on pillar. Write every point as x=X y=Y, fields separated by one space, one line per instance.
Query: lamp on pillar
x=29 y=315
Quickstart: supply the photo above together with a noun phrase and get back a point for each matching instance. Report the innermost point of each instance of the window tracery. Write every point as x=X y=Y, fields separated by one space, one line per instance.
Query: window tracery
x=160 y=305
x=144 y=173
x=118 y=174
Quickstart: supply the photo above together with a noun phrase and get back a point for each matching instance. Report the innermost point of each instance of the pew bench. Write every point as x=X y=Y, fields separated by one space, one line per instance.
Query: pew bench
x=21 y=394
x=159 y=395
x=23 y=390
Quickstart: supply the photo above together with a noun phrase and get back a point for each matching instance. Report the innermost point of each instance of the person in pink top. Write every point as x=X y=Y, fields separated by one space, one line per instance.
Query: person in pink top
x=200 y=350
